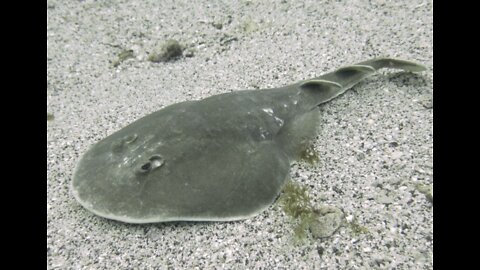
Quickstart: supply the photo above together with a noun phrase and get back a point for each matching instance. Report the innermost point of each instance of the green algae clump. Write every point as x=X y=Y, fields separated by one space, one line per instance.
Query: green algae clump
x=296 y=203
x=169 y=51
x=122 y=56
x=321 y=222
x=309 y=155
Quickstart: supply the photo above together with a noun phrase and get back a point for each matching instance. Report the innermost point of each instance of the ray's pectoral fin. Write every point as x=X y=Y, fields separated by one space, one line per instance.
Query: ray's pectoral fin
x=246 y=179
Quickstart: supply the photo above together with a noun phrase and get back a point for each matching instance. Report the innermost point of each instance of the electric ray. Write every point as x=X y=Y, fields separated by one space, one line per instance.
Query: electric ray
x=222 y=158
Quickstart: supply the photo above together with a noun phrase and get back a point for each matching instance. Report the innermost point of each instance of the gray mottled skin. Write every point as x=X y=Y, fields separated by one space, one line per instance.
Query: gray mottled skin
x=225 y=157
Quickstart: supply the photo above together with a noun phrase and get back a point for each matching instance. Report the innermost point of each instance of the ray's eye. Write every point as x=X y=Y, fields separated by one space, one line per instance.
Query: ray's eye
x=153 y=163
x=156 y=161
x=146 y=166
x=130 y=138
x=121 y=144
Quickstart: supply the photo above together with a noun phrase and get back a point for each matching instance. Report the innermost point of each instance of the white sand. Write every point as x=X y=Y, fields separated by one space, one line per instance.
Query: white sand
x=375 y=143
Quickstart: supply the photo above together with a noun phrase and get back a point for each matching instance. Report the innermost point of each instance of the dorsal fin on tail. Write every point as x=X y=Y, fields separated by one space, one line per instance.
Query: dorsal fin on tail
x=331 y=85
x=321 y=90
x=350 y=75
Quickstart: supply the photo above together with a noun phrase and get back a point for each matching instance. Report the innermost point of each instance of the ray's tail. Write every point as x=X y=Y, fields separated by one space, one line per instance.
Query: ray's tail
x=378 y=63
x=330 y=85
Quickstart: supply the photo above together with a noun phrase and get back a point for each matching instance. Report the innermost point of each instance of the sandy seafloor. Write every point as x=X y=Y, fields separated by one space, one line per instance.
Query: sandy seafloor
x=375 y=143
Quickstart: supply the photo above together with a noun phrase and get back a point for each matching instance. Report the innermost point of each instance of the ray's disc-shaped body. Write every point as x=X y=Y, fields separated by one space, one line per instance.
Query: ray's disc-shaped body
x=221 y=158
